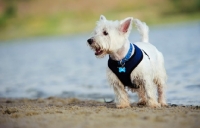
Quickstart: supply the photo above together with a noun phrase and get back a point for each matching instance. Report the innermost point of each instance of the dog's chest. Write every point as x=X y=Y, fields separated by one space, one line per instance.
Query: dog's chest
x=123 y=72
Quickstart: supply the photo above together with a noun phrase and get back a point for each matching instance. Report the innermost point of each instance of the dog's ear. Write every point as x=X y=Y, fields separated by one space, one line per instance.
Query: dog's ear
x=126 y=25
x=103 y=18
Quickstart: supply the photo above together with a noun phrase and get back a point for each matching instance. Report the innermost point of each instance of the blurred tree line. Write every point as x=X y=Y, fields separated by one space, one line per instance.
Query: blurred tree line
x=20 y=18
x=186 y=6
x=9 y=10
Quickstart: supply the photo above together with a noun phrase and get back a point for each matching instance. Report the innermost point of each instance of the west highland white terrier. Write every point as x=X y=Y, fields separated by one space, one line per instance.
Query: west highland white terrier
x=138 y=67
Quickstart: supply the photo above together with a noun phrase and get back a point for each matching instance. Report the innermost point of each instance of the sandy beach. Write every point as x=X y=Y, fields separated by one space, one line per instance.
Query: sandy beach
x=74 y=113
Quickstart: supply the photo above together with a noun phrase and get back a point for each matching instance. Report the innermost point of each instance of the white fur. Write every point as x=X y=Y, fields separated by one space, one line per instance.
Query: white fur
x=111 y=37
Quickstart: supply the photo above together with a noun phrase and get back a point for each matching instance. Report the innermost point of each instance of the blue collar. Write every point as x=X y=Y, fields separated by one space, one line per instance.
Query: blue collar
x=128 y=55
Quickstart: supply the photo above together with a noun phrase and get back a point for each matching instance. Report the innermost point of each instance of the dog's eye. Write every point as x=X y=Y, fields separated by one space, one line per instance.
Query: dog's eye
x=105 y=33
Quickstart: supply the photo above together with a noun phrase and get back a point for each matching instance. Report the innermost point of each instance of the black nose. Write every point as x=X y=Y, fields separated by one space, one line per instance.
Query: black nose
x=90 y=41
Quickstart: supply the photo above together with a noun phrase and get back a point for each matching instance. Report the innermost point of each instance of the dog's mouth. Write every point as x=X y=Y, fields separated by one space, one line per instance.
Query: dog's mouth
x=98 y=51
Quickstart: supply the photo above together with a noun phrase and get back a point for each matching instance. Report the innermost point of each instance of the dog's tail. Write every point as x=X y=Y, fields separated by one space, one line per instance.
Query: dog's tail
x=143 y=30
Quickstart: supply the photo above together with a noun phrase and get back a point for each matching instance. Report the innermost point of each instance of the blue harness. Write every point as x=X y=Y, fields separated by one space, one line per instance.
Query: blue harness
x=123 y=68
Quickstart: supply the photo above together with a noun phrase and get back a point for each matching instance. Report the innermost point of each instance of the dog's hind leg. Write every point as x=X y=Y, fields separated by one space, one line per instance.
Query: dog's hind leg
x=150 y=89
x=160 y=90
x=161 y=96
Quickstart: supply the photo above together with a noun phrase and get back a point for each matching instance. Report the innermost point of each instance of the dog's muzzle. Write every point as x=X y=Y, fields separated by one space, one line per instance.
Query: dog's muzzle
x=97 y=49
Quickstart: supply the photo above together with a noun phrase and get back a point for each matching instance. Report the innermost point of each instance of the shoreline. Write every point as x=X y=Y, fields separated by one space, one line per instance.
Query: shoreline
x=71 y=112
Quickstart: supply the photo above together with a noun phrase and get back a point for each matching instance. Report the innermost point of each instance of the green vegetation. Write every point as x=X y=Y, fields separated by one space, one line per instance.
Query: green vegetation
x=26 y=18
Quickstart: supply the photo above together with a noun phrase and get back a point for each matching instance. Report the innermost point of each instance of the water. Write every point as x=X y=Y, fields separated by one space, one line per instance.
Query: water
x=66 y=67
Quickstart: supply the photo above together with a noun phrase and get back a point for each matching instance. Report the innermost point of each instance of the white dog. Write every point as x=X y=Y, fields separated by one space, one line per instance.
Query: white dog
x=138 y=67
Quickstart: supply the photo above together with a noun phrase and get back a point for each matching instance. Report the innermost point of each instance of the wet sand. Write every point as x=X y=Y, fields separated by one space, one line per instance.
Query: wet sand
x=55 y=112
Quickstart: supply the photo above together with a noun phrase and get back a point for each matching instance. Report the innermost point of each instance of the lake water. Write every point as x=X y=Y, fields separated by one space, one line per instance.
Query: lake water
x=66 y=67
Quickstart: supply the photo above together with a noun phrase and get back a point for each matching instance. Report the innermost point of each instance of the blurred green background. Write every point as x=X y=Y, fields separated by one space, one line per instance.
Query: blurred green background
x=30 y=18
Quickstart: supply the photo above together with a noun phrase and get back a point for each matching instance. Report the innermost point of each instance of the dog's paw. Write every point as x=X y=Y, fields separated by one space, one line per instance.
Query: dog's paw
x=164 y=104
x=153 y=104
x=123 y=106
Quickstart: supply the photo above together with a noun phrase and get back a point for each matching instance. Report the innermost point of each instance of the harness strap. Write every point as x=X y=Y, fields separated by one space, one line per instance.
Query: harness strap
x=146 y=53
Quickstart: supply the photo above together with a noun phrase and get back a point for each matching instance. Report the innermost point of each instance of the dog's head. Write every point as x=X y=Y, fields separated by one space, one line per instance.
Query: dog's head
x=109 y=36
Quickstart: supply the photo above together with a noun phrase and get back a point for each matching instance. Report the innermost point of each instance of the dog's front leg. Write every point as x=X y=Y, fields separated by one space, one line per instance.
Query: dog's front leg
x=121 y=96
